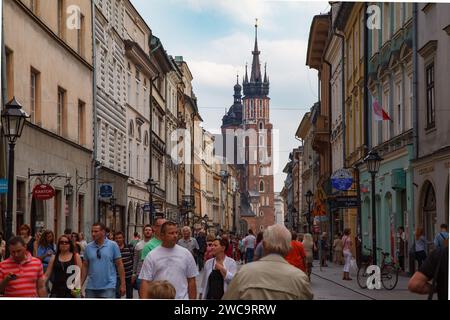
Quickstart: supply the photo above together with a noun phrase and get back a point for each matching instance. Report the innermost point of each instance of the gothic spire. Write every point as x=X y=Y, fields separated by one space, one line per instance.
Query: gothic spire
x=265 y=72
x=246 y=74
x=256 y=66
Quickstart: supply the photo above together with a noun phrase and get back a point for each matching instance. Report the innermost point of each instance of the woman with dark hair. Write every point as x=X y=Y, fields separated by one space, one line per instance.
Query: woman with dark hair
x=219 y=271
x=76 y=242
x=46 y=248
x=57 y=268
x=25 y=233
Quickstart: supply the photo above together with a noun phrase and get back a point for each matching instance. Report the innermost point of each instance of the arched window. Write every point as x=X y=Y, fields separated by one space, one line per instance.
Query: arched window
x=260 y=126
x=261 y=186
x=139 y=133
x=146 y=138
x=131 y=129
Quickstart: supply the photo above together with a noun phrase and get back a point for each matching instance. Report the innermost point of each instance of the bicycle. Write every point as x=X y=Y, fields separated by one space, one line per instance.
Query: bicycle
x=389 y=270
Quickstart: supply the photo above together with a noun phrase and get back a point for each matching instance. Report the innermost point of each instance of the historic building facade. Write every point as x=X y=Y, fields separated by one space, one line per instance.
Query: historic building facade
x=49 y=70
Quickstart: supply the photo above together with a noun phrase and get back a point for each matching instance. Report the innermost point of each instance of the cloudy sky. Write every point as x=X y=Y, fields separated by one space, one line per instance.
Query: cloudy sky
x=216 y=37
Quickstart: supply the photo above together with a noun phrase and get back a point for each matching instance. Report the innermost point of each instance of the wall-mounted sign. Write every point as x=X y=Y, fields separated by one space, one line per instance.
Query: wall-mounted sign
x=342 y=179
x=43 y=192
x=345 y=202
x=106 y=191
x=3 y=186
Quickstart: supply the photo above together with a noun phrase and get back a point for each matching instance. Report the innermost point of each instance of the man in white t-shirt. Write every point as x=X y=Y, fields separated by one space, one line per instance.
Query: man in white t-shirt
x=249 y=245
x=170 y=262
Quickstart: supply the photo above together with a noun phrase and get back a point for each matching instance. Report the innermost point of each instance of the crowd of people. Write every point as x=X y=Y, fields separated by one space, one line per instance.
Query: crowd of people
x=166 y=262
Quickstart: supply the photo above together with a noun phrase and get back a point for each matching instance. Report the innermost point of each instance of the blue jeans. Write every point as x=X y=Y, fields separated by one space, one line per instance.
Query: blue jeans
x=250 y=253
x=101 y=294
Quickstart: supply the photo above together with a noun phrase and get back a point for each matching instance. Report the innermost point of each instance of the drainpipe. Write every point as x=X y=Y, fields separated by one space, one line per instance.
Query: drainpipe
x=4 y=94
x=94 y=102
x=415 y=108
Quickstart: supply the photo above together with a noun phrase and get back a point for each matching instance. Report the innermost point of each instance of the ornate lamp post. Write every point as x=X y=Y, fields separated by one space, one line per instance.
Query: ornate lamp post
x=308 y=196
x=13 y=120
x=373 y=161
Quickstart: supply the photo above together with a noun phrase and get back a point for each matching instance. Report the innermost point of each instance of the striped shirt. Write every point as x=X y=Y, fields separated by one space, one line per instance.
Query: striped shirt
x=28 y=273
x=127 y=259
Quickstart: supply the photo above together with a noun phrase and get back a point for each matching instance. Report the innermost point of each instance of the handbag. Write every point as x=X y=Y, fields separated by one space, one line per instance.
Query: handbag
x=215 y=284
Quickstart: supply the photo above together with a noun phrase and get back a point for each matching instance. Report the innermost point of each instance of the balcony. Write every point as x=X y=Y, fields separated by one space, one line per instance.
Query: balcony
x=321 y=135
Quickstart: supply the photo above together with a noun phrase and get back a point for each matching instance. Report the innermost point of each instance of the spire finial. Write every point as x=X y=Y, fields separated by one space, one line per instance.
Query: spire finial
x=237 y=77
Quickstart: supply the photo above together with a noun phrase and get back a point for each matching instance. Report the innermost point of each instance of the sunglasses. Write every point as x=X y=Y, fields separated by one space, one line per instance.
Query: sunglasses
x=99 y=256
x=64 y=242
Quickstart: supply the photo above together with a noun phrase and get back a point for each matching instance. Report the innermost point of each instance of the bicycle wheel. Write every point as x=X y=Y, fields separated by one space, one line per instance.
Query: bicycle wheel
x=389 y=276
x=362 y=276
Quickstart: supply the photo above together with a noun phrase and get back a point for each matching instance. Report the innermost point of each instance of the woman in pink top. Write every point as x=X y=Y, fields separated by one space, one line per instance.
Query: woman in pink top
x=347 y=250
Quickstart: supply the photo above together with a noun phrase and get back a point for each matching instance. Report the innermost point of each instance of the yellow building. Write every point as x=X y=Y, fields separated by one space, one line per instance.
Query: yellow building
x=350 y=23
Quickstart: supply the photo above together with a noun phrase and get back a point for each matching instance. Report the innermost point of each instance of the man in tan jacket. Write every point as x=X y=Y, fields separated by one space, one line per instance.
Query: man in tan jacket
x=271 y=277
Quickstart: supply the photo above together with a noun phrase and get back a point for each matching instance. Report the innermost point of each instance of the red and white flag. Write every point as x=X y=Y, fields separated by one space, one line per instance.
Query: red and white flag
x=378 y=113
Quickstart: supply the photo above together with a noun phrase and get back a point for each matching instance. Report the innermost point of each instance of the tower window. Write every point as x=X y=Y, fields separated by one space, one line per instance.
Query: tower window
x=261 y=186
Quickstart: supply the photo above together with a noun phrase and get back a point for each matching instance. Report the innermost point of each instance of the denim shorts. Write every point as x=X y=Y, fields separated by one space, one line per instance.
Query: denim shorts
x=101 y=294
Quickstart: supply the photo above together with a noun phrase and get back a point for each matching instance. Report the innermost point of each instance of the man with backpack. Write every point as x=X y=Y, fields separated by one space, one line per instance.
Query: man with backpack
x=441 y=236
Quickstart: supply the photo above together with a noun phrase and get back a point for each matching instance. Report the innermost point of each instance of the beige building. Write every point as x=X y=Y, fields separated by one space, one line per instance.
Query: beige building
x=139 y=72
x=49 y=70
x=431 y=169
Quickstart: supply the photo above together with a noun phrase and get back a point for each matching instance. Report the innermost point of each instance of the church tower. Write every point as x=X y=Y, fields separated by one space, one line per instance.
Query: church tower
x=258 y=169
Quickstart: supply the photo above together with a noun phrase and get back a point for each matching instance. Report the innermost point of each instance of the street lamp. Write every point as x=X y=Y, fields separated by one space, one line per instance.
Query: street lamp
x=68 y=189
x=308 y=196
x=373 y=161
x=13 y=120
x=151 y=187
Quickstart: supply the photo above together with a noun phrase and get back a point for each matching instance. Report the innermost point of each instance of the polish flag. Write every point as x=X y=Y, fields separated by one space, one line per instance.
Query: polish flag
x=379 y=113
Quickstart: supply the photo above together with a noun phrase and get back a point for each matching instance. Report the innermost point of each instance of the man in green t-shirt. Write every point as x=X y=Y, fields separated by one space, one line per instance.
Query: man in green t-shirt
x=156 y=240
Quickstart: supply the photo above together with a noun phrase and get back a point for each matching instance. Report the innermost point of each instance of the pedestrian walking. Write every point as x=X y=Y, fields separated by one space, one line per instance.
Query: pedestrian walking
x=259 y=250
x=2 y=247
x=58 y=271
x=441 y=237
x=161 y=290
x=201 y=241
x=249 y=244
x=170 y=262
x=271 y=277
x=296 y=255
x=401 y=244
x=219 y=271
x=137 y=262
x=75 y=237
x=229 y=248
x=30 y=242
x=101 y=258
x=347 y=250
x=126 y=251
x=435 y=269
x=420 y=246
x=337 y=249
x=83 y=244
x=156 y=240
x=46 y=248
x=21 y=275
x=325 y=248
x=136 y=239
x=309 y=246
x=209 y=247
x=189 y=242
x=242 y=250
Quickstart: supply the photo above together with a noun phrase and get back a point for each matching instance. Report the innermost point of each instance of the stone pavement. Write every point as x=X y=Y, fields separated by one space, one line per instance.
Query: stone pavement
x=327 y=284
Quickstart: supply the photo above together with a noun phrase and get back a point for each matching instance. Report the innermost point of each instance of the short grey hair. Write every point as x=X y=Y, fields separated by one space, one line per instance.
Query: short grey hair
x=186 y=228
x=277 y=239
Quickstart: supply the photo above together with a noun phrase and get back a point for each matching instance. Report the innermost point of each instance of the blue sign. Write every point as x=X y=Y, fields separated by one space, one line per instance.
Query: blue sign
x=3 y=186
x=342 y=180
x=148 y=208
x=106 y=191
